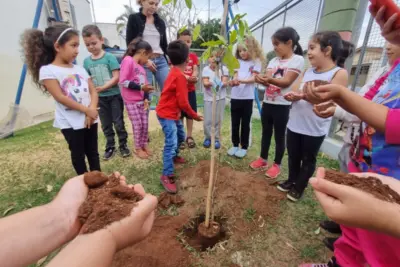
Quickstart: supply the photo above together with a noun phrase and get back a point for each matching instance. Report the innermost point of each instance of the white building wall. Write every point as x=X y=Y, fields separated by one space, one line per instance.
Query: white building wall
x=109 y=31
x=15 y=17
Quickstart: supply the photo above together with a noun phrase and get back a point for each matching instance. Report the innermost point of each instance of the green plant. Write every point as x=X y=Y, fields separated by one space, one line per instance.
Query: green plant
x=249 y=214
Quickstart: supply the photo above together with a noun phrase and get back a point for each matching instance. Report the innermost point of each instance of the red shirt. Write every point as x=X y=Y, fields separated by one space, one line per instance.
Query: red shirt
x=193 y=61
x=174 y=97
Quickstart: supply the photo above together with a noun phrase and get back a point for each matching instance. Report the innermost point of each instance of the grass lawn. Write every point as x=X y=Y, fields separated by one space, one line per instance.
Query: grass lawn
x=35 y=163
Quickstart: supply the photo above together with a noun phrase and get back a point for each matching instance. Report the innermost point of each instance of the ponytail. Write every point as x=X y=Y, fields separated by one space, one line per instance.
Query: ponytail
x=289 y=34
x=38 y=47
x=136 y=45
x=347 y=51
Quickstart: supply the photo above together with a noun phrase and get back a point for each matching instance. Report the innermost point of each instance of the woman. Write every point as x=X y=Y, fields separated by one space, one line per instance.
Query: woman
x=150 y=26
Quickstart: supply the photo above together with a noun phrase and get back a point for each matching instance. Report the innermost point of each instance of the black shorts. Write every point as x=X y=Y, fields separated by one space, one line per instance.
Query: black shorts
x=192 y=102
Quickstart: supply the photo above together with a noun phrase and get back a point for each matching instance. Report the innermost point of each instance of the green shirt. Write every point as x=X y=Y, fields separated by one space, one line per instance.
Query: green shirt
x=100 y=70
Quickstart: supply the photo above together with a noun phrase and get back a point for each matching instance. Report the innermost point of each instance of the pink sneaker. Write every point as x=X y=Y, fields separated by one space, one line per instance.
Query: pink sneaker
x=274 y=171
x=259 y=164
x=168 y=184
x=179 y=160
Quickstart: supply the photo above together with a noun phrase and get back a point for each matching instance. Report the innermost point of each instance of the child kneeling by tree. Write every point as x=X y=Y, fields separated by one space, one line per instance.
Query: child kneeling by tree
x=173 y=100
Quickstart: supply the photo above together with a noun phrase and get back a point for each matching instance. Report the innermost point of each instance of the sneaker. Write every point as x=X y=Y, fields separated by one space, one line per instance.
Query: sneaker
x=313 y=265
x=168 y=184
x=109 y=153
x=293 y=195
x=179 y=160
x=331 y=227
x=285 y=186
x=125 y=152
x=232 y=151
x=274 y=171
x=241 y=153
x=217 y=145
x=259 y=163
x=207 y=143
x=329 y=241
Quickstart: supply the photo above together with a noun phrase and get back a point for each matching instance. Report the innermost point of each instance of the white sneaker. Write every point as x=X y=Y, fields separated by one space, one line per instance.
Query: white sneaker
x=232 y=151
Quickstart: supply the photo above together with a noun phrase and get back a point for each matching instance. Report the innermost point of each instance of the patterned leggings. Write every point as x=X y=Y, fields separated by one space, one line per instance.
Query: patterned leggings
x=140 y=123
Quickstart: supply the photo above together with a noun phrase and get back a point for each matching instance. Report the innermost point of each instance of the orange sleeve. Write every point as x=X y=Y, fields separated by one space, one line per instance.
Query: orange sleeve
x=182 y=96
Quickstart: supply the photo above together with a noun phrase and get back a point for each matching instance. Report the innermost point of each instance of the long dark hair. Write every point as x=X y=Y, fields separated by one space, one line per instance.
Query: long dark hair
x=38 y=47
x=286 y=34
x=136 y=45
x=341 y=49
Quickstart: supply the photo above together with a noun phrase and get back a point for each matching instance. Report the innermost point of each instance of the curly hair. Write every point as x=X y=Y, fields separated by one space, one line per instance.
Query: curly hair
x=38 y=47
x=253 y=47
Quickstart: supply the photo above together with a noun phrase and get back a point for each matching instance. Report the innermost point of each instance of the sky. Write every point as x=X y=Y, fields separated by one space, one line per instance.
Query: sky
x=107 y=10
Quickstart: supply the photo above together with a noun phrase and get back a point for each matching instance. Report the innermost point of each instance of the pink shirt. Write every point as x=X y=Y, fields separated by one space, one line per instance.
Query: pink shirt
x=131 y=71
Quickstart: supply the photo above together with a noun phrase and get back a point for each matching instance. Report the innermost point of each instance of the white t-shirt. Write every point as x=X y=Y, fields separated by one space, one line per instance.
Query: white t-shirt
x=246 y=70
x=279 y=67
x=302 y=118
x=152 y=36
x=210 y=74
x=74 y=84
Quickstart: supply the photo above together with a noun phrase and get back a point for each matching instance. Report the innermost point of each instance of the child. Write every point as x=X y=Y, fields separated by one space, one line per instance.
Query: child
x=191 y=73
x=376 y=151
x=306 y=131
x=135 y=90
x=104 y=70
x=174 y=99
x=209 y=80
x=250 y=57
x=49 y=56
x=282 y=73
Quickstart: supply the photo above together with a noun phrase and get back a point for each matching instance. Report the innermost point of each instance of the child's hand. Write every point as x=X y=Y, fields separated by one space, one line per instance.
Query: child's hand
x=92 y=113
x=325 y=110
x=199 y=118
x=293 y=96
x=262 y=79
x=193 y=79
x=146 y=104
x=99 y=89
x=234 y=82
x=88 y=122
x=322 y=93
x=147 y=88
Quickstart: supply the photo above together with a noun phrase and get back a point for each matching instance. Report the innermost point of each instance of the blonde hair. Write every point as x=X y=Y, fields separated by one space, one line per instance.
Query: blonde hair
x=253 y=47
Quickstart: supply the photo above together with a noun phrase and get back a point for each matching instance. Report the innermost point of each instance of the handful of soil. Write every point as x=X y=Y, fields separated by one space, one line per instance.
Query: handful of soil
x=108 y=201
x=370 y=185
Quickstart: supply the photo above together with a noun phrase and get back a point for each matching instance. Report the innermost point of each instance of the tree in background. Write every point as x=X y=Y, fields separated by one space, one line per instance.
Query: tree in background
x=207 y=32
x=122 y=20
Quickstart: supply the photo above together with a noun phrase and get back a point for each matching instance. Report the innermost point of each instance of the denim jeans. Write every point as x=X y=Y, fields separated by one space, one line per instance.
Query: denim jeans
x=174 y=136
x=161 y=73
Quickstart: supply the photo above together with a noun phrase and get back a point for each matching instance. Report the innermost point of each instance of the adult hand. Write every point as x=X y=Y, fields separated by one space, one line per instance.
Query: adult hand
x=355 y=208
x=147 y=88
x=293 y=96
x=325 y=110
x=151 y=66
x=92 y=113
x=389 y=31
x=137 y=226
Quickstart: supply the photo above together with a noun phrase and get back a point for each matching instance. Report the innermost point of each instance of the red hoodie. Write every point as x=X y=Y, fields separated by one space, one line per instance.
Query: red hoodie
x=174 y=97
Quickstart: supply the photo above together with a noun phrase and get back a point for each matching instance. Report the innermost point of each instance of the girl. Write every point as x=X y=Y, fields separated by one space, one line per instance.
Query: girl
x=209 y=81
x=135 y=90
x=49 y=56
x=250 y=57
x=376 y=151
x=282 y=73
x=306 y=131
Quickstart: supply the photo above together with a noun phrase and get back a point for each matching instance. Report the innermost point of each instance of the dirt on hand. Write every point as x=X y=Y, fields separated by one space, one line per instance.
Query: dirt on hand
x=108 y=201
x=370 y=185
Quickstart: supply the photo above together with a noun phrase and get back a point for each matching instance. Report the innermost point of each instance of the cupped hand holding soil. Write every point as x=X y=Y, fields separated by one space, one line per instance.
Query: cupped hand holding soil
x=309 y=94
x=367 y=201
x=125 y=210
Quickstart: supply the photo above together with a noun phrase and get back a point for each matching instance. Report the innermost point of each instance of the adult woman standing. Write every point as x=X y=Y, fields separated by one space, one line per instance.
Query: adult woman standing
x=150 y=26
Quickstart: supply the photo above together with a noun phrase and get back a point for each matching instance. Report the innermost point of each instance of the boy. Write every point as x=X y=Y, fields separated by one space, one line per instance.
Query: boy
x=209 y=80
x=104 y=70
x=191 y=73
x=174 y=99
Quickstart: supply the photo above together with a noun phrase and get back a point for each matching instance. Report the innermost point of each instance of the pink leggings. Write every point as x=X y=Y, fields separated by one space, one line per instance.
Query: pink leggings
x=360 y=248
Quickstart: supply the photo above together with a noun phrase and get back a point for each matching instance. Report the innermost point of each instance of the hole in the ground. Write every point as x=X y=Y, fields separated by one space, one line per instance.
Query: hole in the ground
x=199 y=241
